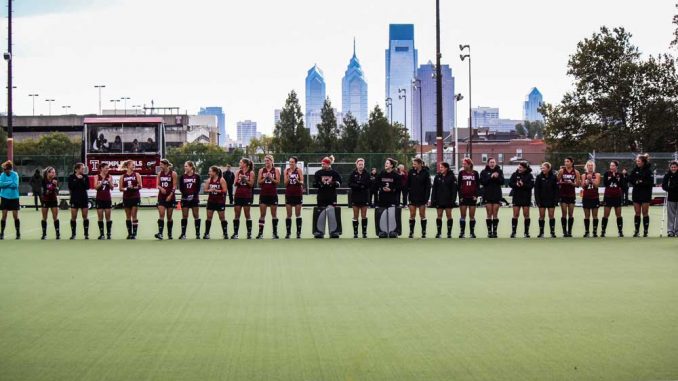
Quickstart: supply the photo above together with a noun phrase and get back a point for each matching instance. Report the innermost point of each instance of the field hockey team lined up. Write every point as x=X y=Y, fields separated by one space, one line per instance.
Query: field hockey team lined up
x=549 y=188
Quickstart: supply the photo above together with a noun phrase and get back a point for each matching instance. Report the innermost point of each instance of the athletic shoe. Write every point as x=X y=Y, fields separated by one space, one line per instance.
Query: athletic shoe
x=182 y=237
x=287 y=236
x=158 y=236
x=671 y=234
x=101 y=237
x=206 y=236
x=541 y=235
x=234 y=236
x=473 y=235
x=438 y=236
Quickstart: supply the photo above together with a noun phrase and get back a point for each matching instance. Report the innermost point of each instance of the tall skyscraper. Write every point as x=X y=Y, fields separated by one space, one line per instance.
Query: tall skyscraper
x=221 y=120
x=246 y=131
x=533 y=101
x=315 y=97
x=354 y=90
x=276 y=116
x=425 y=74
x=401 y=63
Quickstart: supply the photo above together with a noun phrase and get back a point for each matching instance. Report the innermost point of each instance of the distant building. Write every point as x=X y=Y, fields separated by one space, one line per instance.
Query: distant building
x=315 y=97
x=401 y=63
x=533 y=101
x=276 y=116
x=488 y=117
x=354 y=90
x=428 y=120
x=221 y=120
x=202 y=129
x=246 y=131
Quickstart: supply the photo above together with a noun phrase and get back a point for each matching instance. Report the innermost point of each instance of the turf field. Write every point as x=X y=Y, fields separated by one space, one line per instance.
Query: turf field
x=565 y=309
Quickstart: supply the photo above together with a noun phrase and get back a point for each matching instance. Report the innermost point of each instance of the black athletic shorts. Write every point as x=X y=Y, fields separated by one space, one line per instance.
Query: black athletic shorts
x=79 y=204
x=641 y=200
x=547 y=205
x=417 y=204
x=446 y=206
x=467 y=201
x=50 y=204
x=612 y=202
x=167 y=204
x=217 y=207
x=9 y=203
x=567 y=200
x=243 y=201
x=104 y=204
x=131 y=202
x=360 y=204
x=294 y=200
x=522 y=203
x=268 y=200
x=190 y=203
x=590 y=203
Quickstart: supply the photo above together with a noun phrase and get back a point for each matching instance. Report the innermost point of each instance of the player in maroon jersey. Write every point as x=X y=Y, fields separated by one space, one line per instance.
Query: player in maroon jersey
x=294 y=193
x=612 y=198
x=50 y=201
x=167 y=184
x=130 y=184
x=568 y=179
x=590 y=198
x=268 y=180
x=244 y=184
x=189 y=184
x=469 y=181
x=103 y=185
x=216 y=188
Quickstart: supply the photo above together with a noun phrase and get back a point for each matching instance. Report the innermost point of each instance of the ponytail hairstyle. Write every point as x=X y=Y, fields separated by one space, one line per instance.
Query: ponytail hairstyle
x=191 y=165
x=8 y=165
x=293 y=158
x=77 y=166
x=102 y=166
x=167 y=163
x=46 y=171
x=418 y=161
x=469 y=161
x=547 y=165
x=329 y=160
x=269 y=157
x=248 y=162
x=216 y=170
x=525 y=165
x=570 y=159
x=616 y=163
x=127 y=164
x=645 y=158
x=394 y=162
x=446 y=165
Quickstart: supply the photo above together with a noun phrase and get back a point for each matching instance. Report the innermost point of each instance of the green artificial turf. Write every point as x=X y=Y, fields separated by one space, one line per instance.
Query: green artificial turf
x=565 y=309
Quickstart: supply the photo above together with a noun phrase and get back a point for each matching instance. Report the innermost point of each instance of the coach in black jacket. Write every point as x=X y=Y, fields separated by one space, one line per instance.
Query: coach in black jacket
x=419 y=185
x=230 y=180
x=670 y=185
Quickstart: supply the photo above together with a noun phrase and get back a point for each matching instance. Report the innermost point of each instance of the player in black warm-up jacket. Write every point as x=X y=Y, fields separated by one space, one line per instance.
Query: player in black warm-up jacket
x=444 y=196
x=388 y=185
x=419 y=185
x=546 y=197
x=360 y=196
x=492 y=179
x=642 y=180
x=78 y=184
x=521 y=183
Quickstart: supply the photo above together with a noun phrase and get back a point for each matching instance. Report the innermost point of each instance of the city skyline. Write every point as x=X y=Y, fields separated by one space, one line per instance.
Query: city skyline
x=210 y=62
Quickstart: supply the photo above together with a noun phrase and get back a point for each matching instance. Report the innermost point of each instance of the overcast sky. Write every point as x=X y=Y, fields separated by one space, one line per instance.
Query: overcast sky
x=247 y=55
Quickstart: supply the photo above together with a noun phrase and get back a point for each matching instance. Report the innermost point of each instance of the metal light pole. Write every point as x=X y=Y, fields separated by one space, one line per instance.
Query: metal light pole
x=66 y=109
x=457 y=99
x=136 y=109
x=33 y=96
x=125 y=99
x=402 y=94
x=439 y=91
x=8 y=58
x=99 y=87
x=416 y=84
x=50 y=105
x=389 y=106
x=115 y=106
x=470 y=104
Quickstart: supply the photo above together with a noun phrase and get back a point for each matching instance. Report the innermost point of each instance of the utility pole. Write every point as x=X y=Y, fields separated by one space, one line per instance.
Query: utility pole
x=8 y=58
x=99 y=87
x=439 y=91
